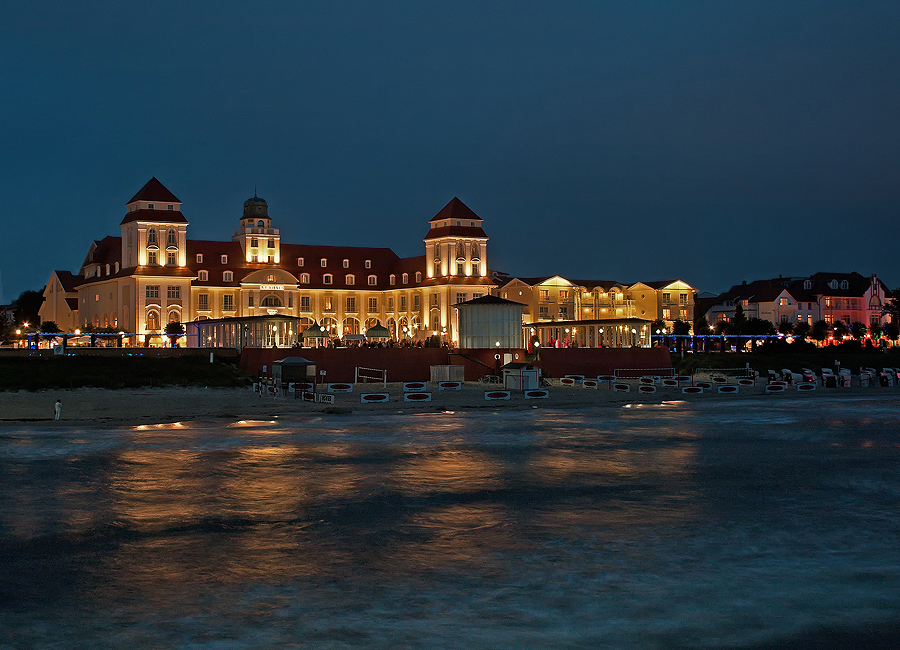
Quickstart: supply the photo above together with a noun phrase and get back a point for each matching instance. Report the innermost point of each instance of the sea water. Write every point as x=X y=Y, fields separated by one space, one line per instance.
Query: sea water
x=681 y=525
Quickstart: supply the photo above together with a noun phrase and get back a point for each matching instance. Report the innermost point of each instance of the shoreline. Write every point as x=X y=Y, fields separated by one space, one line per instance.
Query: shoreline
x=131 y=407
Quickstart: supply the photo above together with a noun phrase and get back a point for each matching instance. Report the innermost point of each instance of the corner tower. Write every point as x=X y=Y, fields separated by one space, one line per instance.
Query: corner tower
x=456 y=245
x=260 y=242
x=154 y=231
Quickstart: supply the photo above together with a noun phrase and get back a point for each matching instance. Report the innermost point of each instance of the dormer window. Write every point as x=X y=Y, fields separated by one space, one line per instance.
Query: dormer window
x=845 y=284
x=418 y=276
x=406 y=278
x=327 y=278
x=224 y=259
x=304 y=278
x=299 y=261
x=117 y=267
x=203 y=276
x=199 y=258
x=373 y=280
x=228 y=276
x=324 y=262
x=368 y=264
x=392 y=279
x=807 y=284
x=346 y=264
x=149 y=206
x=833 y=284
x=107 y=269
x=350 y=279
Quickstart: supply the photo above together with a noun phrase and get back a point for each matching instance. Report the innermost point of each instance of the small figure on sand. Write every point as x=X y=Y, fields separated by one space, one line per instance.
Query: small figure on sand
x=57 y=410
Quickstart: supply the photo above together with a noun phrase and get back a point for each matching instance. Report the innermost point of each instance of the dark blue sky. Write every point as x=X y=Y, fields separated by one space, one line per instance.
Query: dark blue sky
x=714 y=142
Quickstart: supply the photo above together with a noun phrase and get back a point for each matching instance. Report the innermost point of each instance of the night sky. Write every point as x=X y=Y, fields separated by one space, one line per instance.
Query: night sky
x=714 y=142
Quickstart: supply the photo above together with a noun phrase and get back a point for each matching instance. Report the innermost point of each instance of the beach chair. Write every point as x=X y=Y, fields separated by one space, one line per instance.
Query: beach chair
x=788 y=376
x=773 y=376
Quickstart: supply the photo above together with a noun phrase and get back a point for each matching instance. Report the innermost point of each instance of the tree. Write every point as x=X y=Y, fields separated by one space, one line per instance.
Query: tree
x=786 y=327
x=819 y=331
x=892 y=305
x=660 y=325
x=840 y=330
x=681 y=327
x=49 y=330
x=28 y=304
x=875 y=331
x=858 y=330
x=173 y=331
x=891 y=331
x=701 y=326
x=802 y=330
x=739 y=322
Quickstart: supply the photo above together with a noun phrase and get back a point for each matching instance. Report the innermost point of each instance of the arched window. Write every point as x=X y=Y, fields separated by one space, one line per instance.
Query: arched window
x=373 y=280
x=833 y=284
x=152 y=320
x=807 y=284
x=476 y=253
x=350 y=279
x=113 y=321
x=260 y=224
x=418 y=276
x=172 y=238
x=96 y=320
x=406 y=278
x=327 y=278
x=304 y=278
x=151 y=237
x=845 y=284
x=323 y=262
x=270 y=278
x=460 y=251
x=174 y=317
x=202 y=276
x=107 y=269
x=393 y=279
x=227 y=276
x=271 y=301
x=104 y=320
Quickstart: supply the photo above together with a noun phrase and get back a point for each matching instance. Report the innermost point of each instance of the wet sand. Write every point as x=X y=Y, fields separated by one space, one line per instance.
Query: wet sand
x=140 y=406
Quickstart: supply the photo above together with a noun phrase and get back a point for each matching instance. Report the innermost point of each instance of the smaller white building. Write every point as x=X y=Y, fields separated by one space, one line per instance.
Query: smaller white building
x=490 y=322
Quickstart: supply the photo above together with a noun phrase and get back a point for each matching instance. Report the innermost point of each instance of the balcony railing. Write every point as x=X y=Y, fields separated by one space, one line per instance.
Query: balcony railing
x=255 y=231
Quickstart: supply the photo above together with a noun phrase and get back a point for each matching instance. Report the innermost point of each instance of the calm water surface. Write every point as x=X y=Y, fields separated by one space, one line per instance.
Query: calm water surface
x=679 y=525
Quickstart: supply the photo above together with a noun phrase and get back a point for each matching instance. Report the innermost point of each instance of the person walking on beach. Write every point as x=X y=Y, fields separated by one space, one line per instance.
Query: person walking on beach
x=57 y=410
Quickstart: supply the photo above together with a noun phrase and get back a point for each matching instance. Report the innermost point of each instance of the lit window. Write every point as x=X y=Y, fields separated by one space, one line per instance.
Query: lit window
x=350 y=279
x=328 y=303
x=305 y=304
x=254 y=242
x=270 y=278
x=228 y=302
x=152 y=320
x=304 y=278
x=346 y=264
x=326 y=279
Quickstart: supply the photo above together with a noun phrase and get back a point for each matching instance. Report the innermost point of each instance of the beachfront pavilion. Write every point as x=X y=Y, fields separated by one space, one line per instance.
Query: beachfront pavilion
x=607 y=333
x=247 y=332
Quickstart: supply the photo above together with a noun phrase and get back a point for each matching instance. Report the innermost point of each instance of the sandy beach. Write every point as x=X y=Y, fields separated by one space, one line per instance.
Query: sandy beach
x=159 y=405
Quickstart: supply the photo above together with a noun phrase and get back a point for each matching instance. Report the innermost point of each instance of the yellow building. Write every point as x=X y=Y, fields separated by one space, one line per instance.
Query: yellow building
x=153 y=274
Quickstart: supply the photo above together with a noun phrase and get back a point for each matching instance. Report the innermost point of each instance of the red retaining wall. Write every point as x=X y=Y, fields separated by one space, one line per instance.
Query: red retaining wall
x=414 y=364
x=557 y=362
x=402 y=364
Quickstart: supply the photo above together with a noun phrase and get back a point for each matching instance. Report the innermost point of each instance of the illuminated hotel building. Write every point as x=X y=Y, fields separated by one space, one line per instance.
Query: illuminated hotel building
x=153 y=274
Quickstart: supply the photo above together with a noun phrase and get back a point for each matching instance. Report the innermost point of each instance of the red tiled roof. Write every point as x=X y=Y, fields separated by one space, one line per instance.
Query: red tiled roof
x=154 y=191
x=455 y=231
x=455 y=209
x=158 y=216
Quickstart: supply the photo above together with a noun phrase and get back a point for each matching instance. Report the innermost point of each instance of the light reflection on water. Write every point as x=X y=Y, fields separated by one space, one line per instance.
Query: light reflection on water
x=683 y=525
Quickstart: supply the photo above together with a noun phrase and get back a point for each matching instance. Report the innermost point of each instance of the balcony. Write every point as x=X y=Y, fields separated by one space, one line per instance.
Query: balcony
x=254 y=231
